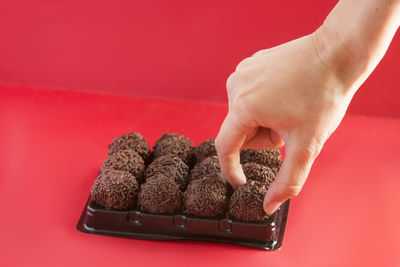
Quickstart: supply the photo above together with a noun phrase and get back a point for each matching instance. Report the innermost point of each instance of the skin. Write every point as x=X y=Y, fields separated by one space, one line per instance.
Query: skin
x=297 y=93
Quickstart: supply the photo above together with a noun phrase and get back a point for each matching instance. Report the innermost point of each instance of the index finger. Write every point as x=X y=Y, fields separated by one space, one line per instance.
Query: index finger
x=230 y=139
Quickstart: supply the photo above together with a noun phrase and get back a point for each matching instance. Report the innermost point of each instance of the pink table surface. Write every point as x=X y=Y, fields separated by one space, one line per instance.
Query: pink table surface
x=53 y=142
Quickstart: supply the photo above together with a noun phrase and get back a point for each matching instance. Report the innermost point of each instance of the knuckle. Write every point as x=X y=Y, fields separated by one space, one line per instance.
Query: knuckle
x=312 y=150
x=218 y=145
x=260 y=52
x=287 y=190
x=230 y=82
x=292 y=191
x=222 y=149
x=239 y=105
x=243 y=63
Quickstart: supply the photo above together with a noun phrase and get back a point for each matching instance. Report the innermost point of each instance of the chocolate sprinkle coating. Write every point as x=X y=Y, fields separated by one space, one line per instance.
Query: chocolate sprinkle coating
x=128 y=161
x=205 y=197
x=259 y=173
x=246 y=203
x=171 y=166
x=209 y=167
x=204 y=150
x=267 y=157
x=130 y=141
x=115 y=189
x=174 y=144
x=160 y=195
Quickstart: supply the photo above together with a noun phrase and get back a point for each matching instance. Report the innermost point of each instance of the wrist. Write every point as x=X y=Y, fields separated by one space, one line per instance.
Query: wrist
x=347 y=63
x=355 y=36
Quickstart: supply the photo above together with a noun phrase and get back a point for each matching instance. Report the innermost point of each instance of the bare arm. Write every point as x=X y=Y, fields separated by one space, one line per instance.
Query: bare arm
x=355 y=36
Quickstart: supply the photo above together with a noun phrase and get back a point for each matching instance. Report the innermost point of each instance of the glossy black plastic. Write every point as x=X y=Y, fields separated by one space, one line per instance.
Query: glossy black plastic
x=134 y=224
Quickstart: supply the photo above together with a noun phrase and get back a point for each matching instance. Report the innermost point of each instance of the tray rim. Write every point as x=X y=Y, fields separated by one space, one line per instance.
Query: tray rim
x=276 y=244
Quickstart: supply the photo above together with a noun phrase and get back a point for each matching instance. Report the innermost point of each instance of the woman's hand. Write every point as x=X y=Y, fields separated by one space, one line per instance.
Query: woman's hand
x=289 y=94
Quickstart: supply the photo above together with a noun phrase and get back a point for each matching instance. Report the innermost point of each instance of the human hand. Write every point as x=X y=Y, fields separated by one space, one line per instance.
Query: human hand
x=290 y=94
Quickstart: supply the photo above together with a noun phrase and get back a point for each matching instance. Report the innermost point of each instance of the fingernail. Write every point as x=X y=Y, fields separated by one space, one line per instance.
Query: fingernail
x=272 y=207
x=241 y=178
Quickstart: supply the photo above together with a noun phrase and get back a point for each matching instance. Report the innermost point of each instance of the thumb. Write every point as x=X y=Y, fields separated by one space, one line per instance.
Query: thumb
x=299 y=157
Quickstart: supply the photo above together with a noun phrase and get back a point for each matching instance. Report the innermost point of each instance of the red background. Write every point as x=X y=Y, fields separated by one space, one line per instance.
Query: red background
x=53 y=142
x=175 y=48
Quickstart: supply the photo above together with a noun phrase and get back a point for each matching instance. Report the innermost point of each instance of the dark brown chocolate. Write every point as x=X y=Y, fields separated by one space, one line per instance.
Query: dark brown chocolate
x=171 y=166
x=130 y=141
x=115 y=189
x=204 y=150
x=128 y=161
x=246 y=203
x=205 y=197
x=209 y=167
x=259 y=173
x=160 y=195
x=267 y=157
x=174 y=144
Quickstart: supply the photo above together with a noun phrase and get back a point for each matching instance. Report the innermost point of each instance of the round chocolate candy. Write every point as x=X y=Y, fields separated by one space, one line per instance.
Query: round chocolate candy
x=205 y=197
x=115 y=189
x=259 y=173
x=130 y=141
x=171 y=166
x=246 y=203
x=204 y=150
x=174 y=144
x=209 y=167
x=267 y=157
x=160 y=195
x=128 y=161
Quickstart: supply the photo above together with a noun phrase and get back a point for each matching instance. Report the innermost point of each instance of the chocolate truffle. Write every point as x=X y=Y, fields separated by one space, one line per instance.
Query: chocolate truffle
x=204 y=150
x=205 y=197
x=171 y=166
x=209 y=167
x=174 y=144
x=246 y=203
x=128 y=161
x=267 y=157
x=131 y=141
x=259 y=173
x=115 y=189
x=160 y=195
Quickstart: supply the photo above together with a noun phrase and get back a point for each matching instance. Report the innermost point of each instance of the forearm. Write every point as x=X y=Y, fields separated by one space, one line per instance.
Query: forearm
x=355 y=36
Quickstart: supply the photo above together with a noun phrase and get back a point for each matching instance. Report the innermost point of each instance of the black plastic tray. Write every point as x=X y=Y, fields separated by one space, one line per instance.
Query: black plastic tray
x=135 y=224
